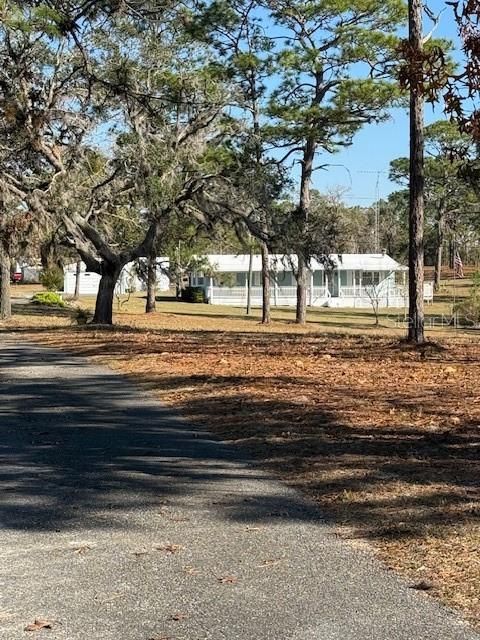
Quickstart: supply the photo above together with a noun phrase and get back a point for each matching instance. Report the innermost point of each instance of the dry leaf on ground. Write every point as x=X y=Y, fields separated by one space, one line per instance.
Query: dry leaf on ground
x=227 y=580
x=177 y=617
x=170 y=548
x=83 y=549
x=39 y=624
x=191 y=571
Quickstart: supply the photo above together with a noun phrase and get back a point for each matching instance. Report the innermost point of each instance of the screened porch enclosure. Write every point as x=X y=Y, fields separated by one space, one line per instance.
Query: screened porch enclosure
x=358 y=280
x=233 y=286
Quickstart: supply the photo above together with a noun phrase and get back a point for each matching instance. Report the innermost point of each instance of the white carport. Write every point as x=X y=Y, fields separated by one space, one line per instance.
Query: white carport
x=128 y=280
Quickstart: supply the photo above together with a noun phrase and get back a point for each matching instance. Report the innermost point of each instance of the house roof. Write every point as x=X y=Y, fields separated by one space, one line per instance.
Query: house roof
x=230 y=263
x=72 y=268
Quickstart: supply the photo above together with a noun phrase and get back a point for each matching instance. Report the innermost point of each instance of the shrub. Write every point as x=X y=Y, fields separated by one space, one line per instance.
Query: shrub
x=52 y=279
x=82 y=315
x=468 y=312
x=194 y=294
x=48 y=299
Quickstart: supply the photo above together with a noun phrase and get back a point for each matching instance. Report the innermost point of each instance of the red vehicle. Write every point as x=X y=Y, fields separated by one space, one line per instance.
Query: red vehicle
x=17 y=276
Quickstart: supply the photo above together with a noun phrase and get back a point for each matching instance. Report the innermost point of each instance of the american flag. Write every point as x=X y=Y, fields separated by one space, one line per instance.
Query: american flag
x=458 y=266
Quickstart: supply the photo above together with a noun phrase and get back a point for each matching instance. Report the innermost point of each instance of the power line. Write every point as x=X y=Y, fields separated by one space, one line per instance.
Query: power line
x=376 y=240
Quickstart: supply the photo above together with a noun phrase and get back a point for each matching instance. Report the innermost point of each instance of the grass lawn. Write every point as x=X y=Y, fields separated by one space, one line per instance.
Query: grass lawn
x=384 y=438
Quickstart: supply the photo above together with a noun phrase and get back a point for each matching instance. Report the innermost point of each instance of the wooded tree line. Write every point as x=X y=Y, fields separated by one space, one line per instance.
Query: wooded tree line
x=128 y=126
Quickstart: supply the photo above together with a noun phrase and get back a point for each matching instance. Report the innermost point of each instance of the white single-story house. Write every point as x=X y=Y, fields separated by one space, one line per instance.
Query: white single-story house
x=349 y=280
x=128 y=280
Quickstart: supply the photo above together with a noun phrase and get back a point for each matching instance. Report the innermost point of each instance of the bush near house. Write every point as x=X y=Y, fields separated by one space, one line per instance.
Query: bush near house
x=194 y=294
x=468 y=311
x=52 y=279
x=81 y=315
x=48 y=299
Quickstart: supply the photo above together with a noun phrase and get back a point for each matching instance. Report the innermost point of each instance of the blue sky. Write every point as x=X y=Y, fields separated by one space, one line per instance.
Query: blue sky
x=376 y=145
x=360 y=171
x=371 y=152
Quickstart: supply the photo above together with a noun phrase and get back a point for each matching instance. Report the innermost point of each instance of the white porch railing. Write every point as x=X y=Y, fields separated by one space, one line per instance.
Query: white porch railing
x=284 y=292
x=381 y=291
x=279 y=296
x=234 y=293
x=286 y=296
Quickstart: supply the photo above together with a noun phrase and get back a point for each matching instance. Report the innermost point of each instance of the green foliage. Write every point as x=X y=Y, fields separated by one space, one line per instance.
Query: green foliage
x=451 y=203
x=320 y=96
x=476 y=282
x=468 y=311
x=194 y=294
x=81 y=315
x=52 y=279
x=48 y=299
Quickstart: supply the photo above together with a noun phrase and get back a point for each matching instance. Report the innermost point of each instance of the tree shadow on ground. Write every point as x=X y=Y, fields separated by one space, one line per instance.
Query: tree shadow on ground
x=73 y=444
x=382 y=481
x=88 y=447
x=46 y=311
x=267 y=342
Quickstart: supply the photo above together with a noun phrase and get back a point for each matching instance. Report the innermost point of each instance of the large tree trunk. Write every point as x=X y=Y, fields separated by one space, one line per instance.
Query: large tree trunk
x=49 y=255
x=301 y=315
x=417 y=179
x=265 y=284
x=302 y=216
x=78 y=275
x=106 y=291
x=150 y=307
x=46 y=253
x=439 y=249
x=5 y=300
x=249 y=282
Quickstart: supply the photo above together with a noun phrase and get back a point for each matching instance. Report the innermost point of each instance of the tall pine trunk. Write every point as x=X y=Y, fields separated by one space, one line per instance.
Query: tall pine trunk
x=78 y=275
x=439 y=249
x=265 y=284
x=150 y=306
x=5 y=300
x=417 y=179
x=302 y=216
x=263 y=245
x=106 y=291
x=249 y=282
x=301 y=315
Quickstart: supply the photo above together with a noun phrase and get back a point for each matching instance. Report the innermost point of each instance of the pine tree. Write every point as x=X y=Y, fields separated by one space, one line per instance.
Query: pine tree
x=333 y=65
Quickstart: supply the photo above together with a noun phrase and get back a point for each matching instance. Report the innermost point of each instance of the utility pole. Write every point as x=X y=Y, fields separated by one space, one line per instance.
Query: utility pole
x=377 y=214
x=416 y=320
x=376 y=238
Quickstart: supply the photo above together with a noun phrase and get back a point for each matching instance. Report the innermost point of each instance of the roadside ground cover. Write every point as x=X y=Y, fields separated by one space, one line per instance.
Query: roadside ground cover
x=385 y=439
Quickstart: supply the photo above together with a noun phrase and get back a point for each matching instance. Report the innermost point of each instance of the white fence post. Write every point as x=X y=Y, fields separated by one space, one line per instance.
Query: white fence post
x=210 y=291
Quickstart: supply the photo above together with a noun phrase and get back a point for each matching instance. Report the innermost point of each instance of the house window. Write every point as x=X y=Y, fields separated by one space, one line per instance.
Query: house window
x=241 y=279
x=256 y=279
x=318 y=279
x=370 y=278
x=284 y=278
x=198 y=279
